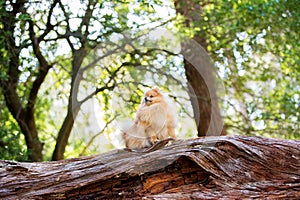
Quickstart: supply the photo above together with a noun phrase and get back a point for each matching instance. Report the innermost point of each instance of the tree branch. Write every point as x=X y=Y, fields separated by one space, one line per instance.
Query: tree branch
x=49 y=26
x=123 y=45
x=110 y=81
x=86 y=20
x=108 y=53
x=97 y=90
x=68 y=30
x=95 y=136
x=42 y=69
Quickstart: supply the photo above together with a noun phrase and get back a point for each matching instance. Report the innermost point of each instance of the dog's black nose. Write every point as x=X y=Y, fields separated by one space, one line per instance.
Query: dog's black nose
x=146 y=99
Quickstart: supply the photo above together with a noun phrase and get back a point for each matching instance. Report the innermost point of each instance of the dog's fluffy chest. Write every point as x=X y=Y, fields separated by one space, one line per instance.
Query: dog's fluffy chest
x=154 y=114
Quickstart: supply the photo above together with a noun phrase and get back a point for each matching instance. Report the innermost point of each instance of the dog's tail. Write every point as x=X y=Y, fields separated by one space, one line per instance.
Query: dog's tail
x=135 y=139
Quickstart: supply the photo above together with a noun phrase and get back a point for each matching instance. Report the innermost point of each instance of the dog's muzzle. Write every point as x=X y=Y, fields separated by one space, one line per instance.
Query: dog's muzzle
x=147 y=99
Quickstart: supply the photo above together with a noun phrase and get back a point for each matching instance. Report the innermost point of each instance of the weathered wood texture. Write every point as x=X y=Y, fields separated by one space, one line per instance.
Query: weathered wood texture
x=220 y=167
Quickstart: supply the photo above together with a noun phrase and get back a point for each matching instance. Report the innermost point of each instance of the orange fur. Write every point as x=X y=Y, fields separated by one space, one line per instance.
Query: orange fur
x=154 y=121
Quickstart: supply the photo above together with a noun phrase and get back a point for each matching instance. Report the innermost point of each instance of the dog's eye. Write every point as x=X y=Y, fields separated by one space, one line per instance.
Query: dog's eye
x=151 y=96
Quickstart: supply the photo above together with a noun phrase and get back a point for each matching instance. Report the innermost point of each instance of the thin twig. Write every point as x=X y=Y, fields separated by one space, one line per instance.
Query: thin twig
x=94 y=137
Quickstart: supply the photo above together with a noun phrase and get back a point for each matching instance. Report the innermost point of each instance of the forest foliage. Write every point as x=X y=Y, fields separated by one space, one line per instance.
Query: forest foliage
x=88 y=63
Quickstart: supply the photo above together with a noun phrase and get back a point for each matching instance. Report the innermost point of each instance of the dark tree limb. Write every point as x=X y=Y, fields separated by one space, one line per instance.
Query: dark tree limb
x=42 y=69
x=204 y=168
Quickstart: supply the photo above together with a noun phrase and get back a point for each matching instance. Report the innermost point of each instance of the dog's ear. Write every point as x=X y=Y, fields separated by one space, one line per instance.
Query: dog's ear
x=156 y=89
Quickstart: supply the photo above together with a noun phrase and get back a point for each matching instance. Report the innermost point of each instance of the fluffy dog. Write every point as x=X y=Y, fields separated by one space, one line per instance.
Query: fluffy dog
x=155 y=120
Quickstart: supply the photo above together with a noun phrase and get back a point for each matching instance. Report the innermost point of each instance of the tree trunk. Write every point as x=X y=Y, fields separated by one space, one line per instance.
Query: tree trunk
x=24 y=115
x=64 y=134
x=33 y=143
x=73 y=106
x=204 y=168
x=25 y=120
x=200 y=74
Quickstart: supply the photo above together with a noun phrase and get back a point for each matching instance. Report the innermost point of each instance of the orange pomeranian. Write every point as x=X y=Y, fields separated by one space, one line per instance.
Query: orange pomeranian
x=155 y=120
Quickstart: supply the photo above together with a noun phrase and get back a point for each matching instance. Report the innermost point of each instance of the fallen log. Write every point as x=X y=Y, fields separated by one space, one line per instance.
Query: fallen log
x=203 y=168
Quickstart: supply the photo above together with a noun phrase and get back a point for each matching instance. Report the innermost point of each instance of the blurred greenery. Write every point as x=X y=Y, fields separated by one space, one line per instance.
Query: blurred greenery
x=254 y=45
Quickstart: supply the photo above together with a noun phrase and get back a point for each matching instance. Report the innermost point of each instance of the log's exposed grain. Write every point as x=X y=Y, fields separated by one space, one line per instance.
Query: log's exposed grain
x=204 y=168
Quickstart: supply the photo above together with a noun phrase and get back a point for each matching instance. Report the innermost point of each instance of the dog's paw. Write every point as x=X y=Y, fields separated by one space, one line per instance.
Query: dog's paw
x=153 y=139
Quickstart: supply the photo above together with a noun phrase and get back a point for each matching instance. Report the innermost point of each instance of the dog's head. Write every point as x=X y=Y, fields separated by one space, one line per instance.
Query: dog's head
x=152 y=96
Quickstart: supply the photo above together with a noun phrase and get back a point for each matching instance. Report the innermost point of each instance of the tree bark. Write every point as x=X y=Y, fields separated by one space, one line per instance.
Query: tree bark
x=204 y=168
x=200 y=74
